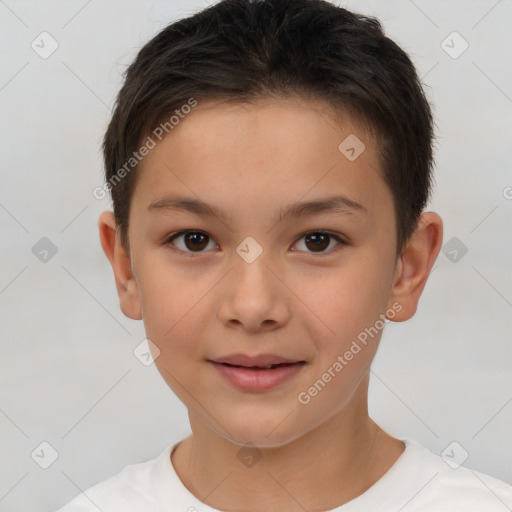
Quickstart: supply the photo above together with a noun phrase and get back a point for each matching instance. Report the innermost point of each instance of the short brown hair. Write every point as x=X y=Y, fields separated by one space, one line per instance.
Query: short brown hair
x=240 y=50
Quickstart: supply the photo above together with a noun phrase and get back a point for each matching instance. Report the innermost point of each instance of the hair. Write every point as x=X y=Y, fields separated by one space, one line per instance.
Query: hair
x=244 y=50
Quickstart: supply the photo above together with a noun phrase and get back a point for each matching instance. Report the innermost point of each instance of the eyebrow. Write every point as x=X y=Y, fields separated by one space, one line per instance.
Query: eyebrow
x=333 y=204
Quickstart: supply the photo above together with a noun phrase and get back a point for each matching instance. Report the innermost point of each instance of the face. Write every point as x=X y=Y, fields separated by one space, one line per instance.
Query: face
x=259 y=277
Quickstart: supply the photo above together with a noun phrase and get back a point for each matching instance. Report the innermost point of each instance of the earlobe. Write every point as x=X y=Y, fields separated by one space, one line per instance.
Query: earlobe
x=415 y=264
x=126 y=284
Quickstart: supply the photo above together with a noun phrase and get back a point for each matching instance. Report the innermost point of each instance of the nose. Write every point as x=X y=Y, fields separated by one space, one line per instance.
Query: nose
x=253 y=298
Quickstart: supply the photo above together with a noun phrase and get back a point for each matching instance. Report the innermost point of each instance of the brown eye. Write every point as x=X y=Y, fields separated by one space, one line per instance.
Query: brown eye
x=319 y=241
x=195 y=241
x=191 y=241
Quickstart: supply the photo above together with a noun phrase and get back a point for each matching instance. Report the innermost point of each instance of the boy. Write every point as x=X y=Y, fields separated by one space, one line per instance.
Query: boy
x=291 y=141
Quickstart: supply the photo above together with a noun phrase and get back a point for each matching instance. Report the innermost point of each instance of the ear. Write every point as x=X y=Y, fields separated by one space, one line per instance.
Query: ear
x=126 y=284
x=414 y=265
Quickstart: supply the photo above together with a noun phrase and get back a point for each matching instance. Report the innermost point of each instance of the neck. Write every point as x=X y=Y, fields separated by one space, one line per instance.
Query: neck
x=327 y=467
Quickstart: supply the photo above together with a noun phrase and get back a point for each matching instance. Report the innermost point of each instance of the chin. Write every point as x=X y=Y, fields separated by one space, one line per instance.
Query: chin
x=261 y=430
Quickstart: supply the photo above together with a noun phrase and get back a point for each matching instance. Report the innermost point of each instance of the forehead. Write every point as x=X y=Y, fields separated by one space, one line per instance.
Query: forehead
x=269 y=151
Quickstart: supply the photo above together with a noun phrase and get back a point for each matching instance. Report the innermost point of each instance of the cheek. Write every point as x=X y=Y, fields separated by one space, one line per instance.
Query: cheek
x=172 y=320
x=348 y=298
x=349 y=302
x=170 y=305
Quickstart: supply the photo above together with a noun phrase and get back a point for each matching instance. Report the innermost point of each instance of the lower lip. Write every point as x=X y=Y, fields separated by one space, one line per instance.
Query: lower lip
x=257 y=380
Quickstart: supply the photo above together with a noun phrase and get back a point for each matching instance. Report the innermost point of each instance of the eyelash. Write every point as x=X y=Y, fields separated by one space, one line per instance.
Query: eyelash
x=192 y=254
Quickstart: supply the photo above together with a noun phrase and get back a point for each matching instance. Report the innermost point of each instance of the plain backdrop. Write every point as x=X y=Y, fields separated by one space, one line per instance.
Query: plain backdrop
x=69 y=376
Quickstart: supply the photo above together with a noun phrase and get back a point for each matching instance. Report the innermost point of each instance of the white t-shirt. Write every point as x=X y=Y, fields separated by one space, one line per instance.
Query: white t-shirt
x=419 y=481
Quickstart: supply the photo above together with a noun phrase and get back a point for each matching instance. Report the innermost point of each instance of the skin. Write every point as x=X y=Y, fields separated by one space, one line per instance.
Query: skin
x=295 y=301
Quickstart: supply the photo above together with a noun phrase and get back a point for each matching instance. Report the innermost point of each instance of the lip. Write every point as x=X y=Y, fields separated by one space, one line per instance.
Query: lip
x=249 y=374
x=259 y=360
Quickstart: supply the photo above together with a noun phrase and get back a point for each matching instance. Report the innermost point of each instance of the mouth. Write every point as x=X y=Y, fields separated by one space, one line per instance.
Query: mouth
x=257 y=374
x=267 y=367
x=262 y=361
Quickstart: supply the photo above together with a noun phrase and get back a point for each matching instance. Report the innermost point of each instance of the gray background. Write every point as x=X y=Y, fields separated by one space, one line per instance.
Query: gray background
x=68 y=373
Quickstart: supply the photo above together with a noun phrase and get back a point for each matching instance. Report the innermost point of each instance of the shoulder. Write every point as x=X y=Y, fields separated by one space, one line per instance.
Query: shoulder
x=135 y=488
x=440 y=484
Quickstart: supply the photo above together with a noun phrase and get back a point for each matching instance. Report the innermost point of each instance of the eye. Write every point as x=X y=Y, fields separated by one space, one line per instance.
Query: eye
x=318 y=241
x=197 y=241
x=193 y=241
